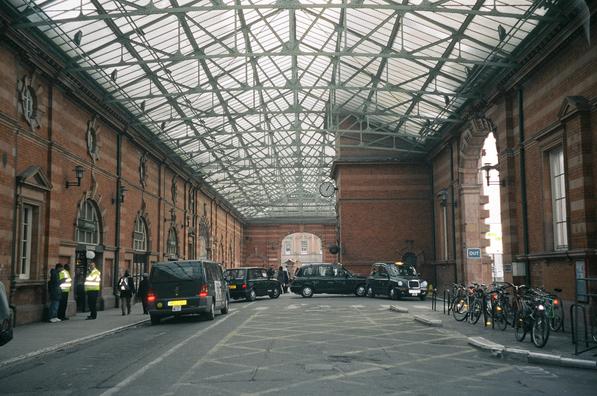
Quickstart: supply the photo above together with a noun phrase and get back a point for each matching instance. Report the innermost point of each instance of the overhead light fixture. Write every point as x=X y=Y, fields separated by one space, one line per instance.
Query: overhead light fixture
x=77 y=38
x=114 y=75
x=487 y=167
x=502 y=33
x=79 y=175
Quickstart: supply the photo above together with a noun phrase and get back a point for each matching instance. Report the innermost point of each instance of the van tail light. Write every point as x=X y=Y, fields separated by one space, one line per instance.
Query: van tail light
x=203 y=291
x=244 y=286
x=151 y=297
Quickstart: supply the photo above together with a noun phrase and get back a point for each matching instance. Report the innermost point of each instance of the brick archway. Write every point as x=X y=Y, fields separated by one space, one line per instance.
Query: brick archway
x=263 y=242
x=471 y=215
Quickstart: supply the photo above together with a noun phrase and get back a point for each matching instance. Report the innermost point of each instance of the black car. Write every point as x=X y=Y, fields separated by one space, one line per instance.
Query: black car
x=251 y=282
x=327 y=279
x=186 y=287
x=6 y=317
x=395 y=280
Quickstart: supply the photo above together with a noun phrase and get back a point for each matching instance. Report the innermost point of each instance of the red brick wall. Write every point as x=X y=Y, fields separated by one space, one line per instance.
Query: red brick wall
x=381 y=208
x=262 y=244
x=56 y=147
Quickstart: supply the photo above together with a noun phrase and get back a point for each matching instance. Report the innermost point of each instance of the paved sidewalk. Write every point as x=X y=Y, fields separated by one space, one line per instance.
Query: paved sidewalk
x=38 y=338
x=559 y=349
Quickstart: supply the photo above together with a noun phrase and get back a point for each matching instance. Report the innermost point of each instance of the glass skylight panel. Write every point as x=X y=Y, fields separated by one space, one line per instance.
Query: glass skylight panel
x=158 y=39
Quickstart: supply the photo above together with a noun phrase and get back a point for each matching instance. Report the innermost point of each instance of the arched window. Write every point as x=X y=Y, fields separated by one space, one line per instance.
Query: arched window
x=140 y=235
x=88 y=226
x=172 y=243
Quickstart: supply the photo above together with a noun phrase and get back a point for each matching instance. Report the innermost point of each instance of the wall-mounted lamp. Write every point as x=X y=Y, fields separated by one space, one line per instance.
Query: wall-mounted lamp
x=120 y=196
x=487 y=167
x=443 y=199
x=79 y=175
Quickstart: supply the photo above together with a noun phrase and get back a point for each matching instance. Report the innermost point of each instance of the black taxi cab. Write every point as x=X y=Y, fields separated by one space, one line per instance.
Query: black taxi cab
x=327 y=278
x=395 y=280
x=186 y=287
x=251 y=282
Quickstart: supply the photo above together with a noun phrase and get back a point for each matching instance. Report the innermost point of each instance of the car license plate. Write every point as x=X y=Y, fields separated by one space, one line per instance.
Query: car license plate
x=232 y=286
x=414 y=292
x=177 y=303
x=176 y=308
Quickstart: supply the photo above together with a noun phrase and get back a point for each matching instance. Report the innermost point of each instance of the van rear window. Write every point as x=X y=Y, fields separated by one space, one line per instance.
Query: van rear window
x=174 y=272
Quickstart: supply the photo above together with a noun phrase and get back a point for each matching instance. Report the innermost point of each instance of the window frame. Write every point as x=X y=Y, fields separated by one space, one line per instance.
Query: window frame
x=140 y=245
x=172 y=248
x=88 y=214
x=26 y=251
x=305 y=248
x=558 y=197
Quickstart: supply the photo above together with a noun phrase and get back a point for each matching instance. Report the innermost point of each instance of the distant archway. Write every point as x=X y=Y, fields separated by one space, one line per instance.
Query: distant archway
x=299 y=248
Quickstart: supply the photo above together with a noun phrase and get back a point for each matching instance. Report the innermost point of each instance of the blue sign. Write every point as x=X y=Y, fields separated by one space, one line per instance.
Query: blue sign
x=473 y=253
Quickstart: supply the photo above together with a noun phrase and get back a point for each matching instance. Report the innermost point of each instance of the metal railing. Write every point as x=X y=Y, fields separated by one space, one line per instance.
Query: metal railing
x=583 y=327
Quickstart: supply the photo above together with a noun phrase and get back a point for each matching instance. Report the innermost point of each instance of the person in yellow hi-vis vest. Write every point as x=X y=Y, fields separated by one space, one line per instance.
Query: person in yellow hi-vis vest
x=66 y=283
x=92 y=288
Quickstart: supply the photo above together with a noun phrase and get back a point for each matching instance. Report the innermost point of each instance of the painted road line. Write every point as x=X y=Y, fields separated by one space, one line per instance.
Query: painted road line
x=137 y=374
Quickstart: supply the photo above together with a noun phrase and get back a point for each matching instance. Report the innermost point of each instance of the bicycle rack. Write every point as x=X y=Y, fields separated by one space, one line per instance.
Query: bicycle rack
x=434 y=300
x=579 y=312
x=447 y=301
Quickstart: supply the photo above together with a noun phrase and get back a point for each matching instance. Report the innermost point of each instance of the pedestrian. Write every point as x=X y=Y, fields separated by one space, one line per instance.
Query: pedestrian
x=65 y=285
x=282 y=278
x=270 y=272
x=142 y=291
x=126 y=287
x=286 y=280
x=54 y=293
x=92 y=288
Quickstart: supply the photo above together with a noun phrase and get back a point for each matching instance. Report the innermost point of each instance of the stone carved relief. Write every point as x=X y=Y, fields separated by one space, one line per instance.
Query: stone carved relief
x=173 y=189
x=143 y=170
x=29 y=93
x=92 y=137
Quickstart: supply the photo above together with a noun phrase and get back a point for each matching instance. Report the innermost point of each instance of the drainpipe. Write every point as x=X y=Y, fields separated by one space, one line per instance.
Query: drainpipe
x=452 y=205
x=523 y=186
x=116 y=266
x=433 y=236
x=15 y=211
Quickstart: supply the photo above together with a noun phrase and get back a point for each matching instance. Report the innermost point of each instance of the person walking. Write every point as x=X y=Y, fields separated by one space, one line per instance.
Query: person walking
x=142 y=291
x=92 y=288
x=126 y=287
x=54 y=293
x=65 y=282
x=282 y=278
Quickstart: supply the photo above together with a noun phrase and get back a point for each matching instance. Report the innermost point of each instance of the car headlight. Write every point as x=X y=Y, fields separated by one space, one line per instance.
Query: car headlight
x=400 y=283
x=424 y=285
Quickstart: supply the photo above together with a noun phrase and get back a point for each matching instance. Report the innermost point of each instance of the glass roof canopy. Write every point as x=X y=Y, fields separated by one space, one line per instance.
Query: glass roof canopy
x=257 y=96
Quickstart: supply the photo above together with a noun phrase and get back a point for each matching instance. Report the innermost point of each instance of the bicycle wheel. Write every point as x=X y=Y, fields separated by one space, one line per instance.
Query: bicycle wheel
x=520 y=328
x=556 y=319
x=460 y=309
x=540 y=331
x=475 y=312
x=499 y=316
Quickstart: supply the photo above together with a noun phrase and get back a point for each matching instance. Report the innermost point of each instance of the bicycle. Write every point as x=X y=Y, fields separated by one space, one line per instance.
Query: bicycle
x=532 y=318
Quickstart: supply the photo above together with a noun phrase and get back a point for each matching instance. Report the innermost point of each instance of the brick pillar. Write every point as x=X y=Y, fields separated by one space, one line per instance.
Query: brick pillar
x=575 y=116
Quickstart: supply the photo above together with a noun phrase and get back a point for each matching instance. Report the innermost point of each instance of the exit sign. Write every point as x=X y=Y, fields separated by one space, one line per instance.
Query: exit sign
x=473 y=253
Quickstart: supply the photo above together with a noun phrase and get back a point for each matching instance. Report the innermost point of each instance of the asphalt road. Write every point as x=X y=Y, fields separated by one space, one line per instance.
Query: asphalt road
x=317 y=346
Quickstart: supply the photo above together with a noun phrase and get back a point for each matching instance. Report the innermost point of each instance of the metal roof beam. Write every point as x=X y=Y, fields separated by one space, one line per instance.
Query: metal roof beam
x=296 y=6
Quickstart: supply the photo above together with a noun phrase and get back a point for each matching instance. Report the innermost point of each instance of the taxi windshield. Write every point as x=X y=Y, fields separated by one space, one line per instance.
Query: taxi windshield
x=235 y=273
x=406 y=270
